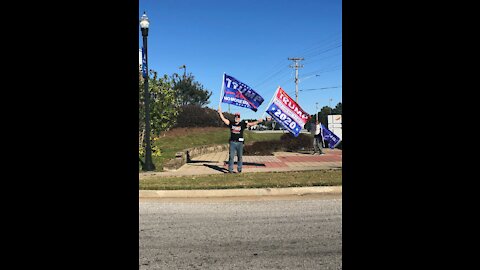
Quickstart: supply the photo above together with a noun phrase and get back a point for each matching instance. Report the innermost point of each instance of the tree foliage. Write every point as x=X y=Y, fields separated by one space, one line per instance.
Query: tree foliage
x=323 y=115
x=189 y=91
x=337 y=109
x=164 y=108
x=197 y=116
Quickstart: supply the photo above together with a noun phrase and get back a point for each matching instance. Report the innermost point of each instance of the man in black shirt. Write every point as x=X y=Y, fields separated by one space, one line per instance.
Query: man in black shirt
x=236 y=138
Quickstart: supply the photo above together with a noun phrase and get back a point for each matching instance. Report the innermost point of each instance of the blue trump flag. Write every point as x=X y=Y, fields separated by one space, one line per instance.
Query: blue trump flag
x=328 y=136
x=144 y=64
x=240 y=94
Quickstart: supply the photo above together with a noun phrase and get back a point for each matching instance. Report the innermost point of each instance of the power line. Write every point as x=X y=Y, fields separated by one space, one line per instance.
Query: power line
x=333 y=47
x=271 y=77
x=310 y=50
x=312 y=60
x=322 y=43
x=312 y=89
x=328 y=69
x=269 y=73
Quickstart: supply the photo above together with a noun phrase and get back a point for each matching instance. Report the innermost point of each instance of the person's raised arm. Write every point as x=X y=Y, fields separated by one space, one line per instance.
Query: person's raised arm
x=249 y=124
x=225 y=120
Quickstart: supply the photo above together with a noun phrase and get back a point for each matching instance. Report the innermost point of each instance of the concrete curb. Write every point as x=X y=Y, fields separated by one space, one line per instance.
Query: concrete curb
x=238 y=192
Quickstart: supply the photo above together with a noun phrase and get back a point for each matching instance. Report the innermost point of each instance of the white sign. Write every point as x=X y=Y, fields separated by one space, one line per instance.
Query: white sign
x=335 y=119
x=335 y=124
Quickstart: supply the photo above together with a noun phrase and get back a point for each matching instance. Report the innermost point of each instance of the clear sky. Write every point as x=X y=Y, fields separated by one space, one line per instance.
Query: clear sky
x=250 y=40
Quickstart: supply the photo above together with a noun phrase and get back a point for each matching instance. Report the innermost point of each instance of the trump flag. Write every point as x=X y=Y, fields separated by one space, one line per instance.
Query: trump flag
x=328 y=136
x=287 y=112
x=240 y=94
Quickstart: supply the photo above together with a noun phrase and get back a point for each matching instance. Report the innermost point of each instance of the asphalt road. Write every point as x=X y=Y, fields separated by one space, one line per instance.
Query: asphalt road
x=292 y=232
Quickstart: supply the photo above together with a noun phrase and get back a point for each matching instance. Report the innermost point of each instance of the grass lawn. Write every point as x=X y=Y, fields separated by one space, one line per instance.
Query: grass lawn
x=245 y=180
x=179 y=139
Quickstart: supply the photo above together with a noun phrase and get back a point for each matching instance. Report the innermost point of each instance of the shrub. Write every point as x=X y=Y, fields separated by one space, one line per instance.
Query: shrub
x=287 y=142
x=196 y=116
x=292 y=143
x=263 y=148
x=339 y=145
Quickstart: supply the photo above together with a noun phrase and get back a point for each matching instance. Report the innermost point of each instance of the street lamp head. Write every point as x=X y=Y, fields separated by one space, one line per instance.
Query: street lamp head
x=144 y=22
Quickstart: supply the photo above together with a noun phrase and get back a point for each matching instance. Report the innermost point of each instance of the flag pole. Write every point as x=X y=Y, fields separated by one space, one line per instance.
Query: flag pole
x=221 y=90
x=271 y=100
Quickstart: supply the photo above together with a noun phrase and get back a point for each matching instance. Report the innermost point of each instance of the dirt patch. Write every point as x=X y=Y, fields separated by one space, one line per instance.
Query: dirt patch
x=185 y=131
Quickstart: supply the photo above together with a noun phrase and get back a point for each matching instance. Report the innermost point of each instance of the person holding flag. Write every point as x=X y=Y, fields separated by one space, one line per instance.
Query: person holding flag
x=236 y=140
x=317 y=132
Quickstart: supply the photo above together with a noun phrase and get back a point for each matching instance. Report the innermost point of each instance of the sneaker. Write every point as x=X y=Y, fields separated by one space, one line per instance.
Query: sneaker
x=240 y=171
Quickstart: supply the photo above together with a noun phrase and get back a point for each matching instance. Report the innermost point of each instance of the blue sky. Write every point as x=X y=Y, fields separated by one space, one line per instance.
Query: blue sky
x=250 y=40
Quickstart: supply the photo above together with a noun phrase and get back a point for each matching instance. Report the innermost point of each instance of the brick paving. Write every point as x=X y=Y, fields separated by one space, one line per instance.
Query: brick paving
x=216 y=163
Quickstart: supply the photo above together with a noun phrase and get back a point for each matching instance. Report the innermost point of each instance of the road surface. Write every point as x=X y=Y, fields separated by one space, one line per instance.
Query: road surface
x=291 y=232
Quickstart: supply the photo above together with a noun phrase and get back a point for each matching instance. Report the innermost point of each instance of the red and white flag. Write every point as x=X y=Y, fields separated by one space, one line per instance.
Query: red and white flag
x=287 y=112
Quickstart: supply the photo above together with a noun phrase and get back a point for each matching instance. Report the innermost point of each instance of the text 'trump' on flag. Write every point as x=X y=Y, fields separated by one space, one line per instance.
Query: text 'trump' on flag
x=240 y=94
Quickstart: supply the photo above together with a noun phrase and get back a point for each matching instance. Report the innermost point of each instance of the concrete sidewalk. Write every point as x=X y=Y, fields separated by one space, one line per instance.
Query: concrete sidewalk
x=244 y=192
x=217 y=163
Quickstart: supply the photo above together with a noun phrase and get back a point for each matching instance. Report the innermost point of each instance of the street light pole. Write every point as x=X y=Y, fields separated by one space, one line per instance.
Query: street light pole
x=330 y=105
x=148 y=165
x=184 y=71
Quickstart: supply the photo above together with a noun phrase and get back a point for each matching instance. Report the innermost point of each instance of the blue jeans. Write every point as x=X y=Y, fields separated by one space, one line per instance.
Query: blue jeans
x=235 y=147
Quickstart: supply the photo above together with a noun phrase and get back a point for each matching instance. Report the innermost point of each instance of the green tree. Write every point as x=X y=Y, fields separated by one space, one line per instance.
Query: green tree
x=323 y=115
x=189 y=91
x=337 y=109
x=164 y=108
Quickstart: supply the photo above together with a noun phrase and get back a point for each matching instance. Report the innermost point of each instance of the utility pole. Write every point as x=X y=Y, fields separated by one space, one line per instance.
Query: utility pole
x=296 y=66
x=316 y=110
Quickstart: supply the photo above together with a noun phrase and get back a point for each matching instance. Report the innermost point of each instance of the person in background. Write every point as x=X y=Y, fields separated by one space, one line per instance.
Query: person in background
x=317 y=133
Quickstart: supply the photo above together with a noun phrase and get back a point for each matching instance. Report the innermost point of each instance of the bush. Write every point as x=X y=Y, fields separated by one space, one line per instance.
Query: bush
x=196 y=116
x=292 y=143
x=287 y=142
x=263 y=148
x=339 y=145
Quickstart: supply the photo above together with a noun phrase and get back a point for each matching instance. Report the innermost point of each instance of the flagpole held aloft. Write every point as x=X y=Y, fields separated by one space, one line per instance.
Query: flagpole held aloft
x=221 y=90
x=271 y=100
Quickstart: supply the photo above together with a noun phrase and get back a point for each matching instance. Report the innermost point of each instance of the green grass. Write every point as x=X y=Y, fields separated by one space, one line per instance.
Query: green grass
x=174 y=142
x=245 y=180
